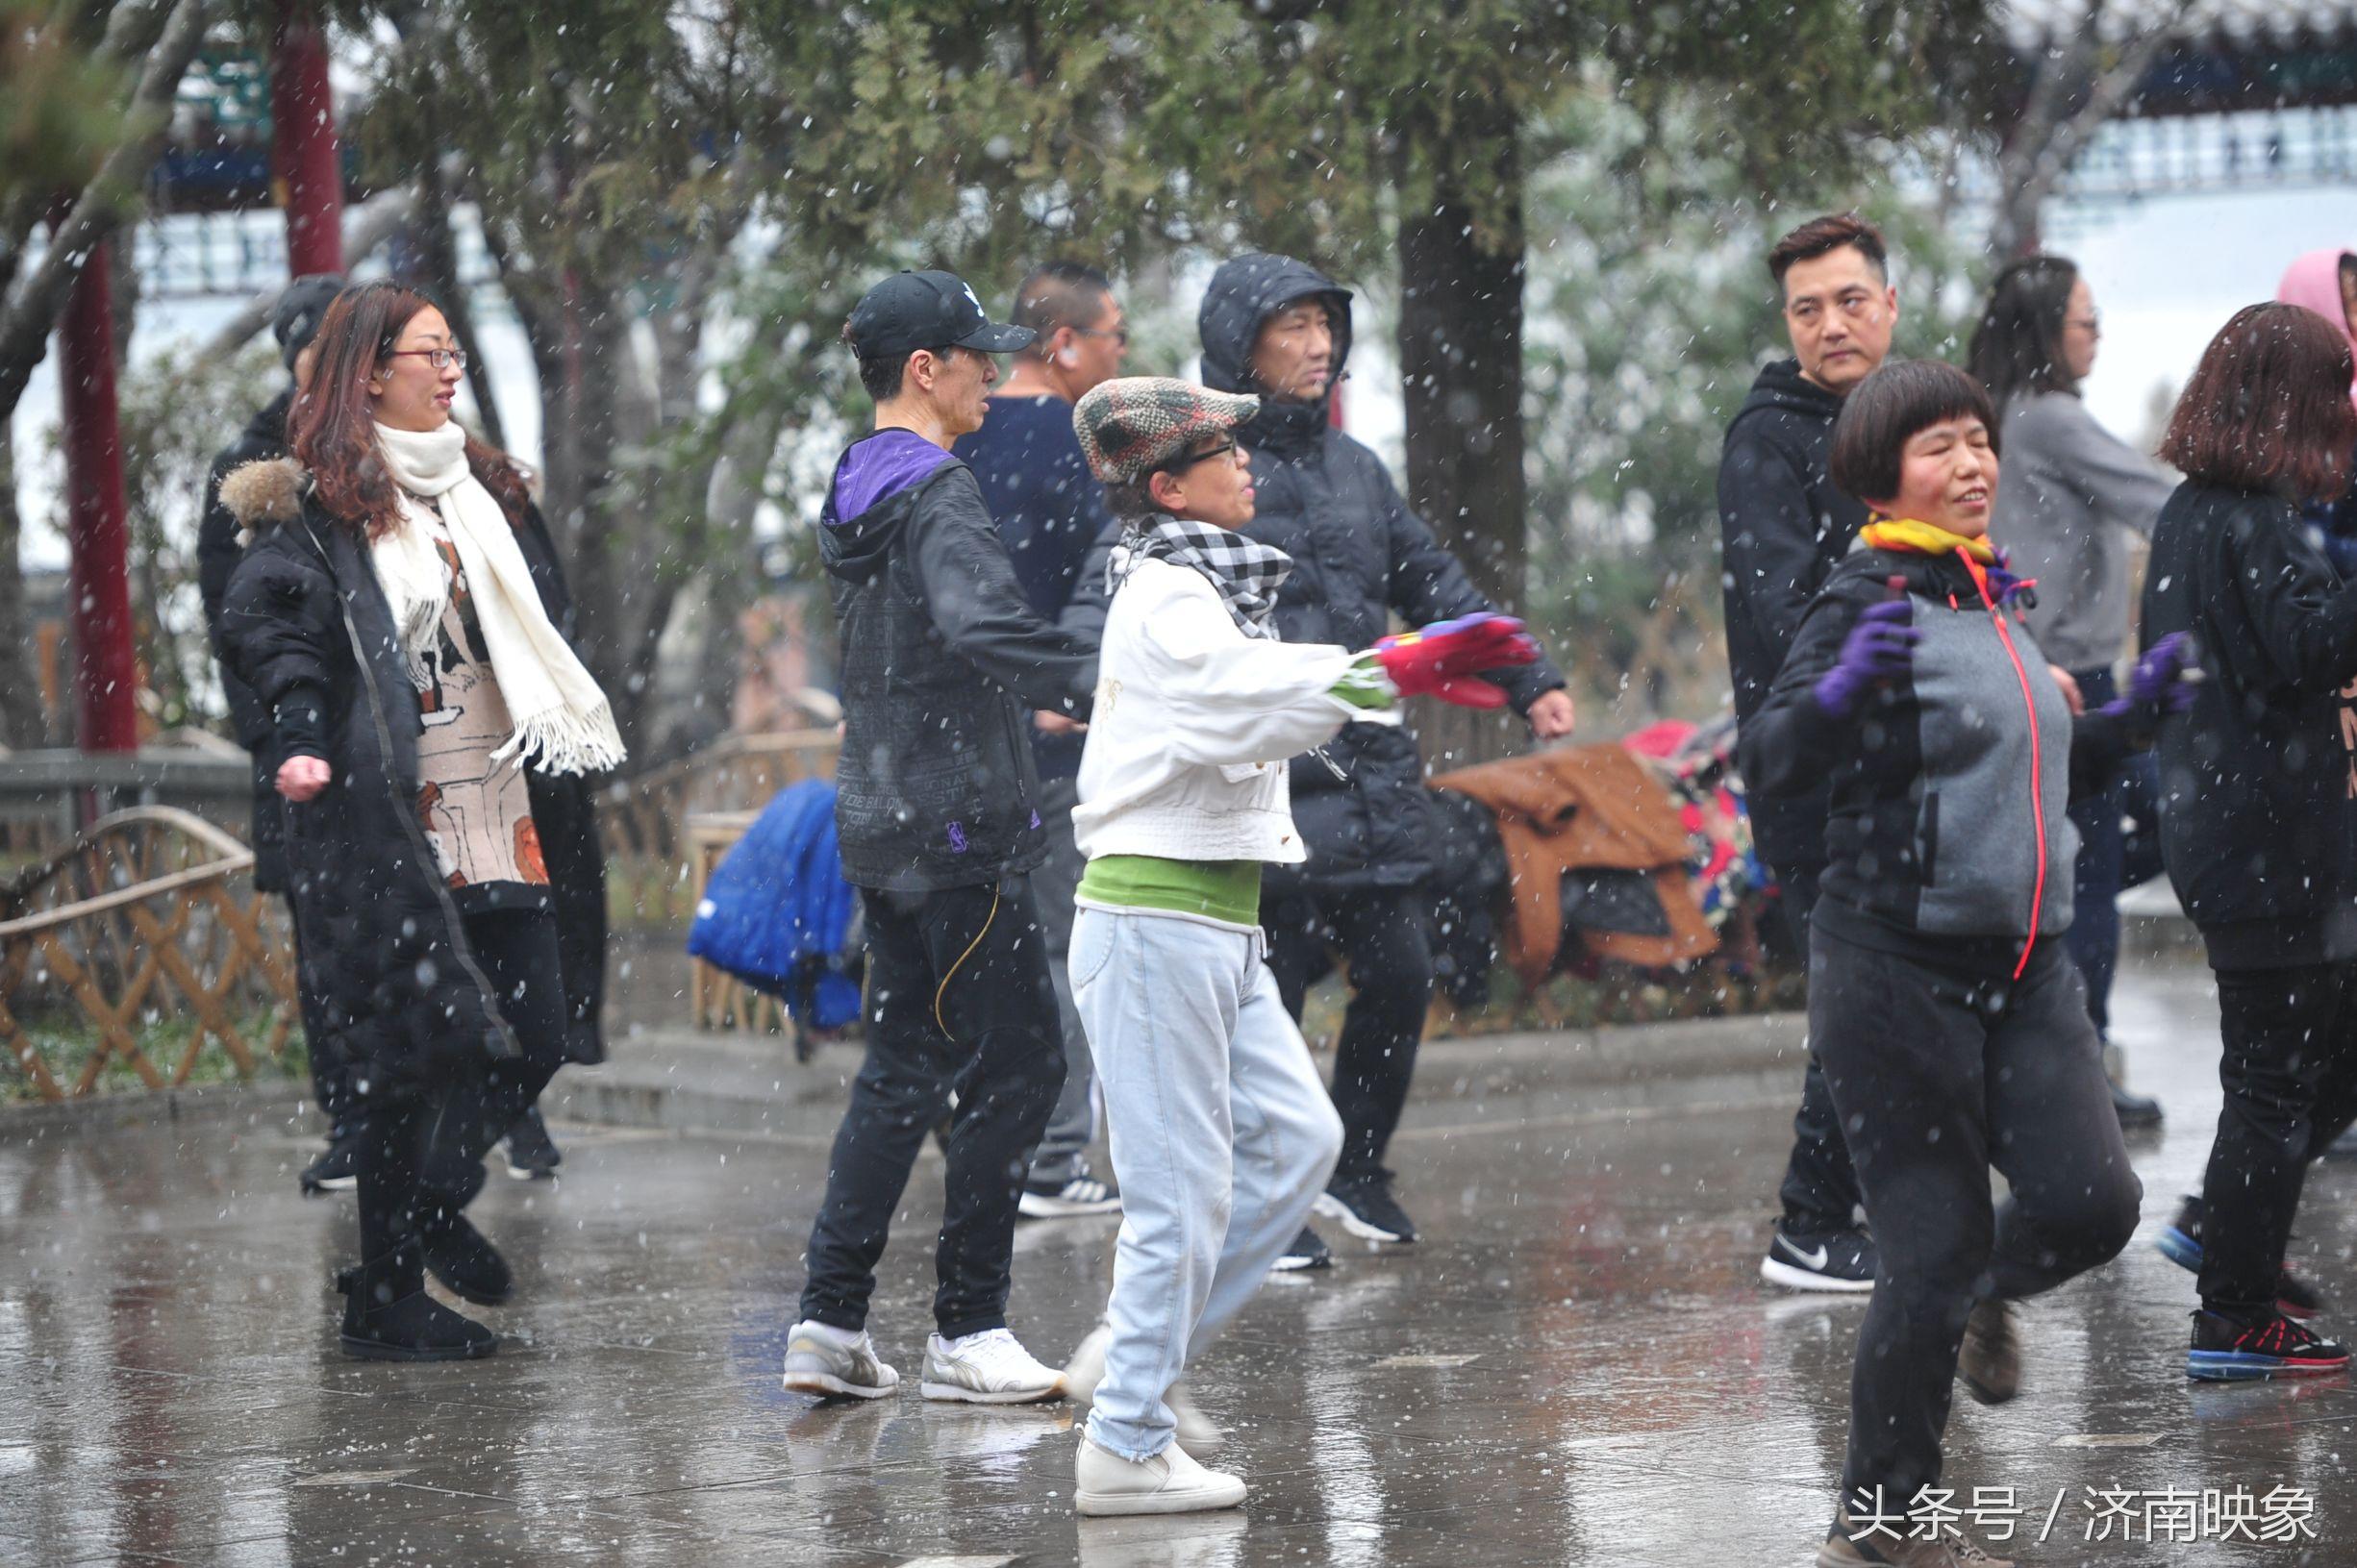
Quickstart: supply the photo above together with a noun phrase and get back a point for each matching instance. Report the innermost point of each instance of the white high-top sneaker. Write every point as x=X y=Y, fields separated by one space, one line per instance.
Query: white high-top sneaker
x=987 y=1368
x=1108 y=1485
x=1197 y=1433
x=823 y=1359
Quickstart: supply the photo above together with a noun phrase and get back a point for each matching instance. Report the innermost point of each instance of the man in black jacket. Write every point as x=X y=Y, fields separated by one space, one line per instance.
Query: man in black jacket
x=294 y=321
x=1279 y=329
x=1783 y=527
x=937 y=811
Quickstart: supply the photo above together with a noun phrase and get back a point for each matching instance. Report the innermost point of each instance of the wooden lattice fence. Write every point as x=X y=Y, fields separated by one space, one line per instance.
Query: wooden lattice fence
x=150 y=913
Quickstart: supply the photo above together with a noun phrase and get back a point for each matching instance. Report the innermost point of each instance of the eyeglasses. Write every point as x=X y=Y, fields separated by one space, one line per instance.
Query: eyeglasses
x=441 y=359
x=1179 y=465
x=1120 y=334
x=2092 y=321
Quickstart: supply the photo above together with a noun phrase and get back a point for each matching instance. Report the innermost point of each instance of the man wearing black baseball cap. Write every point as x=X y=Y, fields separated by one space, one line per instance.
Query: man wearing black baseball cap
x=938 y=818
x=294 y=321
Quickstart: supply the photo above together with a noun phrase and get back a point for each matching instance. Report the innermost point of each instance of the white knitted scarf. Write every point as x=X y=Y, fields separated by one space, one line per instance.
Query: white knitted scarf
x=564 y=723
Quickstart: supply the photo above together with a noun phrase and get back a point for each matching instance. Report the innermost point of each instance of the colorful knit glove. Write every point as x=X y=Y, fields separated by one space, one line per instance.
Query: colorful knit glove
x=2165 y=678
x=1880 y=647
x=1445 y=660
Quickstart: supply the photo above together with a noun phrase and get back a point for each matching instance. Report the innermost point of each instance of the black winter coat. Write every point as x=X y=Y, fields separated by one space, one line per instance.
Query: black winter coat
x=1359 y=555
x=217 y=552
x=1783 y=527
x=386 y=961
x=942 y=662
x=2258 y=787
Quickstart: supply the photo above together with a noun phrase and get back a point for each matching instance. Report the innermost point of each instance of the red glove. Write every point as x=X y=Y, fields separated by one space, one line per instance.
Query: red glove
x=1445 y=660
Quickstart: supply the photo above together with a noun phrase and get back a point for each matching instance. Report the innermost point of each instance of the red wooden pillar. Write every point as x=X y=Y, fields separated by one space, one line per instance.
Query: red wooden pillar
x=98 y=581
x=304 y=154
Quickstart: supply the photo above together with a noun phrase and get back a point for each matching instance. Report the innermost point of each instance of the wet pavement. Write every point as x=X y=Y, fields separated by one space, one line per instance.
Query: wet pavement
x=1577 y=1365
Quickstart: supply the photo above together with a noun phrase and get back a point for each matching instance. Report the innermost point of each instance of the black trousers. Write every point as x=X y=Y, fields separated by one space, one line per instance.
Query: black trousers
x=420 y=1156
x=958 y=997
x=1937 y=1076
x=1821 y=1183
x=2289 y=1073
x=1388 y=955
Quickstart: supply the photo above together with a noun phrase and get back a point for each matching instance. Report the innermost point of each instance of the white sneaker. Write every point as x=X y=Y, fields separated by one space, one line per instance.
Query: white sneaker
x=1197 y=1433
x=1070 y=1200
x=1169 y=1483
x=987 y=1368
x=820 y=1360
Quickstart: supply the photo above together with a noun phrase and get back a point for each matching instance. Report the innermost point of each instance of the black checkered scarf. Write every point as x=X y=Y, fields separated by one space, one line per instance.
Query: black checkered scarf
x=1246 y=572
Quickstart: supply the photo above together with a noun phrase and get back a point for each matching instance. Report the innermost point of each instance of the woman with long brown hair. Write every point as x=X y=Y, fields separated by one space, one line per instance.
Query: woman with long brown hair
x=402 y=613
x=2259 y=806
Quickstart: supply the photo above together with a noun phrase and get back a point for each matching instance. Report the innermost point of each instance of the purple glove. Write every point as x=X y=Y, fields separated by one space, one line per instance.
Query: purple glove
x=2165 y=678
x=1880 y=647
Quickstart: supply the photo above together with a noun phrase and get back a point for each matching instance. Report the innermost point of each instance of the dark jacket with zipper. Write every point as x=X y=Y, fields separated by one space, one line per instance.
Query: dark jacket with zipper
x=1783 y=527
x=942 y=662
x=1950 y=787
x=218 y=547
x=386 y=962
x=1360 y=556
x=2258 y=791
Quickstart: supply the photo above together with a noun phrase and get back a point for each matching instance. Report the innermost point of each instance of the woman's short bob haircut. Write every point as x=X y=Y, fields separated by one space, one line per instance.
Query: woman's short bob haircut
x=1890 y=408
x=2268 y=409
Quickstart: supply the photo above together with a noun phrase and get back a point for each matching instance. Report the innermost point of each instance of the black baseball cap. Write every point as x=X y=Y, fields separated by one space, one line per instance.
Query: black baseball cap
x=909 y=310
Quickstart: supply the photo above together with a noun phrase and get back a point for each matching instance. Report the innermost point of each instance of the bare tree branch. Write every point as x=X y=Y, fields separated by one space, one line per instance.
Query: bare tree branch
x=32 y=305
x=2071 y=98
x=365 y=230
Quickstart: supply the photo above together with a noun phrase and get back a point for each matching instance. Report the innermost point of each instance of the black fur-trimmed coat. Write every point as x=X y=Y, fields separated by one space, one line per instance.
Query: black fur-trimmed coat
x=386 y=964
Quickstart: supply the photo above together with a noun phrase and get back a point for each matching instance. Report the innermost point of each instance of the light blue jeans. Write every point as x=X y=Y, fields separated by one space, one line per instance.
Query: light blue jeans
x=1222 y=1137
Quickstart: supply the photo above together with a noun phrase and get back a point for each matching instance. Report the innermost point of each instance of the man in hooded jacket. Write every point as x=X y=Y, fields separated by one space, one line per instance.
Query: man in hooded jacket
x=936 y=814
x=1279 y=329
x=1783 y=525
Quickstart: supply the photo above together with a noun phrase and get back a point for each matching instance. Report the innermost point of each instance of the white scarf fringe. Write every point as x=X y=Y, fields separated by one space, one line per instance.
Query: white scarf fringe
x=564 y=723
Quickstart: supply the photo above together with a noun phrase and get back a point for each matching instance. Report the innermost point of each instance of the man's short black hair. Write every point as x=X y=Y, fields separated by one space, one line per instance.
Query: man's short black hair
x=881 y=378
x=1821 y=237
x=1890 y=408
x=1058 y=294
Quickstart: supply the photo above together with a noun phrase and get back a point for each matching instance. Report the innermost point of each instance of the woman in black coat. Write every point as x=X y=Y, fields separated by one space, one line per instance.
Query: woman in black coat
x=2258 y=809
x=401 y=613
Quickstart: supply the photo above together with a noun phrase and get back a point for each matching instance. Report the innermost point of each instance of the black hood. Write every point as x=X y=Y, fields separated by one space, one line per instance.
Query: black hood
x=1780 y=384
x=1245 y=293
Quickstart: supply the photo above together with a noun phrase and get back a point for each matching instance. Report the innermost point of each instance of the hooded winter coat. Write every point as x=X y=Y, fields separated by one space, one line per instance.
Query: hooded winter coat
x=1360 y=556
x=387 y=967
x=942 y=660
x=217 y=552
x=1783 y=527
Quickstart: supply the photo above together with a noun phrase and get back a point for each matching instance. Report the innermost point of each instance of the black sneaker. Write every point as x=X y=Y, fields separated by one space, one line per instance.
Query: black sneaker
x=336 y=1170
x=1066 y=1200
x=1307 y=1252
x=2181 y=1244
x=1365 y=1208
x=531 y=1153
x=2226 y=1350
x=1842 y=1260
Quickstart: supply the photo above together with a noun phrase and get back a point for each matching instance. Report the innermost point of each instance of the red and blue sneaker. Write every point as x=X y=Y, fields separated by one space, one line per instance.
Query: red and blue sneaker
x=2228 y=1350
